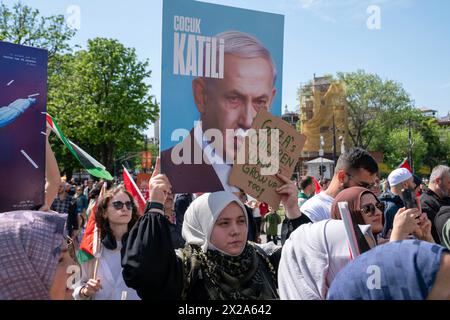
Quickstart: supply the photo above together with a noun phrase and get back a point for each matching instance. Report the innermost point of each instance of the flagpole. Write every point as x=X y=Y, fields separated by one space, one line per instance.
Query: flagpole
x=410 y=153
x=97 y=237
x=97 y=254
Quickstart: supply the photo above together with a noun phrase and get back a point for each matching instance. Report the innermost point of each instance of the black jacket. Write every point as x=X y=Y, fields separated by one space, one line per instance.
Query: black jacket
x=153 y=268
x=289 y=226
x=431 y=203
x=182 y=202
x=392 y=203
x=441 y=219
x=251 y=234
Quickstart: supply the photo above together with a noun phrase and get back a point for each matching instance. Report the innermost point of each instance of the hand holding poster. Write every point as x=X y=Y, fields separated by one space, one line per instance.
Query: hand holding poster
x=272 y=146
x=356 y=239
x=349 y=229
x=220 y=66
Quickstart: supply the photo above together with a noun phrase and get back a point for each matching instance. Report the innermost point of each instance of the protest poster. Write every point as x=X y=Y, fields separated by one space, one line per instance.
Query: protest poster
x=273 y=146
x=220 y=65
x=23 y=96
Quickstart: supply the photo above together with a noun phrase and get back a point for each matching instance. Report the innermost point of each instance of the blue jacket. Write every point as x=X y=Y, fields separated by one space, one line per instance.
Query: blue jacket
x=392 y=204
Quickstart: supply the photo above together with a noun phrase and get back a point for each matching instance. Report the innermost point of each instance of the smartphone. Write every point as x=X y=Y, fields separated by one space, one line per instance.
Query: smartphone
x=409 y=198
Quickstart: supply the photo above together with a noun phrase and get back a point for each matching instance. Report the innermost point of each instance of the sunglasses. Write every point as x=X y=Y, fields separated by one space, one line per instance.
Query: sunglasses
x=118 y=205
x=361 y=183
x=369 y=209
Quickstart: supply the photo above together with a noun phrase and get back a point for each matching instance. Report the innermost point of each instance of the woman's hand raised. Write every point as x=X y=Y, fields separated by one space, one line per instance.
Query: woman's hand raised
x=159 y=185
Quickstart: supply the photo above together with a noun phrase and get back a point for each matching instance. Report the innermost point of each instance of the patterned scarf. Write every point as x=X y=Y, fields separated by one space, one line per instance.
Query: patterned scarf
x=247 y=276
x=30 y=244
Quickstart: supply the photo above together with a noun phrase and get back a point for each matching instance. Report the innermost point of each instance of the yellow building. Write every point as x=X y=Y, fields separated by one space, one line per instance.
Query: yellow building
x=322 y=103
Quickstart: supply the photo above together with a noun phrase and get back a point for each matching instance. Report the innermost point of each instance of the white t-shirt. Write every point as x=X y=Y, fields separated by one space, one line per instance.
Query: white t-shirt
x=110 y=274
x=312 y=257
x=318 y=207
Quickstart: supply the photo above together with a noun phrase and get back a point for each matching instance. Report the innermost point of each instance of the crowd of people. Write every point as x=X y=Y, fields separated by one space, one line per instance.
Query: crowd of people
x=224 y=245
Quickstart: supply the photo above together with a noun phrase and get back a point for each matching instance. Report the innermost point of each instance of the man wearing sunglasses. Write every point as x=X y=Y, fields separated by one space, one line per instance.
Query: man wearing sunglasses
x=355 y=167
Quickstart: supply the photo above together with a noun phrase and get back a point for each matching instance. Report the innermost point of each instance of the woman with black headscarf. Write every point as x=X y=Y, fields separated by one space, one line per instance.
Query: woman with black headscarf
x=366 y=209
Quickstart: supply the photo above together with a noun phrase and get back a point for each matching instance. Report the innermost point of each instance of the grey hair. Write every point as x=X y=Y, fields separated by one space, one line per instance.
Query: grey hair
x=246 y=46
x=438 y=172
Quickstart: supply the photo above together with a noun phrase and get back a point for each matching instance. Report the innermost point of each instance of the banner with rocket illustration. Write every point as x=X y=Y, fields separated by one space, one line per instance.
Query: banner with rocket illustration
x=23 y=96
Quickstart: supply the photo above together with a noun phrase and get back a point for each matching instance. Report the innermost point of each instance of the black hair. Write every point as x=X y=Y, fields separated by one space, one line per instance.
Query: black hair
x=306 y=182
x=355 y=159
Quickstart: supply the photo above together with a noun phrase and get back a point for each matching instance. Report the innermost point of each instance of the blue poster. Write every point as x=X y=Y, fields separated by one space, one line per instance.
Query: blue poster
x=23 y=96
x=220 y=65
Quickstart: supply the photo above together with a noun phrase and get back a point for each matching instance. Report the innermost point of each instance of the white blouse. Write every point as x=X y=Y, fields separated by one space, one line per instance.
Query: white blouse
x=110 y=275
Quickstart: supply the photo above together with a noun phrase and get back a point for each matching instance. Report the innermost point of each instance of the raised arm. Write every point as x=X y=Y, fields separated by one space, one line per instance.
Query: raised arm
x=294 y=218
x=52 y=175
x=150 y=265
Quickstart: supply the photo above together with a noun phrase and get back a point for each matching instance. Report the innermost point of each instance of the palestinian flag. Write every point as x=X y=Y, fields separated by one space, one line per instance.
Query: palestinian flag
x=91 y=244
x=94 y=167
x=132 y=188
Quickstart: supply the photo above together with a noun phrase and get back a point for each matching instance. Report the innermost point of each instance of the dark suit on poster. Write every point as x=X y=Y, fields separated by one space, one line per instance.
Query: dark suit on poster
x=190 y=178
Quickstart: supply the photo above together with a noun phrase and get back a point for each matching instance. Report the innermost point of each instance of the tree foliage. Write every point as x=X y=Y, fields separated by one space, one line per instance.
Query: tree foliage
x=24 y=25
x=398 y=142
x=102 y=99
x=371 y=102
x=99 y=96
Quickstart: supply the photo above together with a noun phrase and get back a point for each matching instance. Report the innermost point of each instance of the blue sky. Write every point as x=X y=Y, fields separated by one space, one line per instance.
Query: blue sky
x=412 y=45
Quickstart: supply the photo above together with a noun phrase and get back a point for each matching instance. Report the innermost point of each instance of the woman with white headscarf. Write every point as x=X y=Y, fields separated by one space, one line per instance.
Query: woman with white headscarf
x=216 y=263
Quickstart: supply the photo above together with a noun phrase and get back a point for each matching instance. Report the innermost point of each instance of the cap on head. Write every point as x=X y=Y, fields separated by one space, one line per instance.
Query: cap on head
x=398 y=176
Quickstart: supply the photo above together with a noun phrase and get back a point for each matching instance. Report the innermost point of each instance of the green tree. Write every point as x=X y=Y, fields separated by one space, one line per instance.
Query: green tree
x=444 y=142
x=103 y=101
x=398 y=147
x=375 y=107
x=437 y=150
x=24 y=25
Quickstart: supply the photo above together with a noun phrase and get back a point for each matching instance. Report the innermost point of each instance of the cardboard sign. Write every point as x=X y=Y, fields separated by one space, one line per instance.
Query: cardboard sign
x=23 y=98
x=250 y=176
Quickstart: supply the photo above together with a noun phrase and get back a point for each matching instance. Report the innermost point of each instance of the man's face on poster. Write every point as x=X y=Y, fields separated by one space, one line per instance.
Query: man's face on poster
x=233 y=102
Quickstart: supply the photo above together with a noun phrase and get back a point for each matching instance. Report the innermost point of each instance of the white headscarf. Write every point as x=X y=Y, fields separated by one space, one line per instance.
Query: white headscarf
x=202 y=214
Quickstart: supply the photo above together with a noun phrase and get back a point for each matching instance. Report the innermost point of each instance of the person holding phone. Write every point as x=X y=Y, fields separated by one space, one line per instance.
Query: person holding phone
x=398 y=180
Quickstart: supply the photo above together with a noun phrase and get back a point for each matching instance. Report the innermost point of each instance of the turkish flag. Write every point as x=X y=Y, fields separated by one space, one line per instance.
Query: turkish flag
x=317 y=187
x=405 y=164
x=132 y=188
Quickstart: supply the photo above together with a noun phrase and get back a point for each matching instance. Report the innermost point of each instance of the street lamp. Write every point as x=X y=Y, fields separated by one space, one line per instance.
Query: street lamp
x=322 y=143
x=410 y=154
